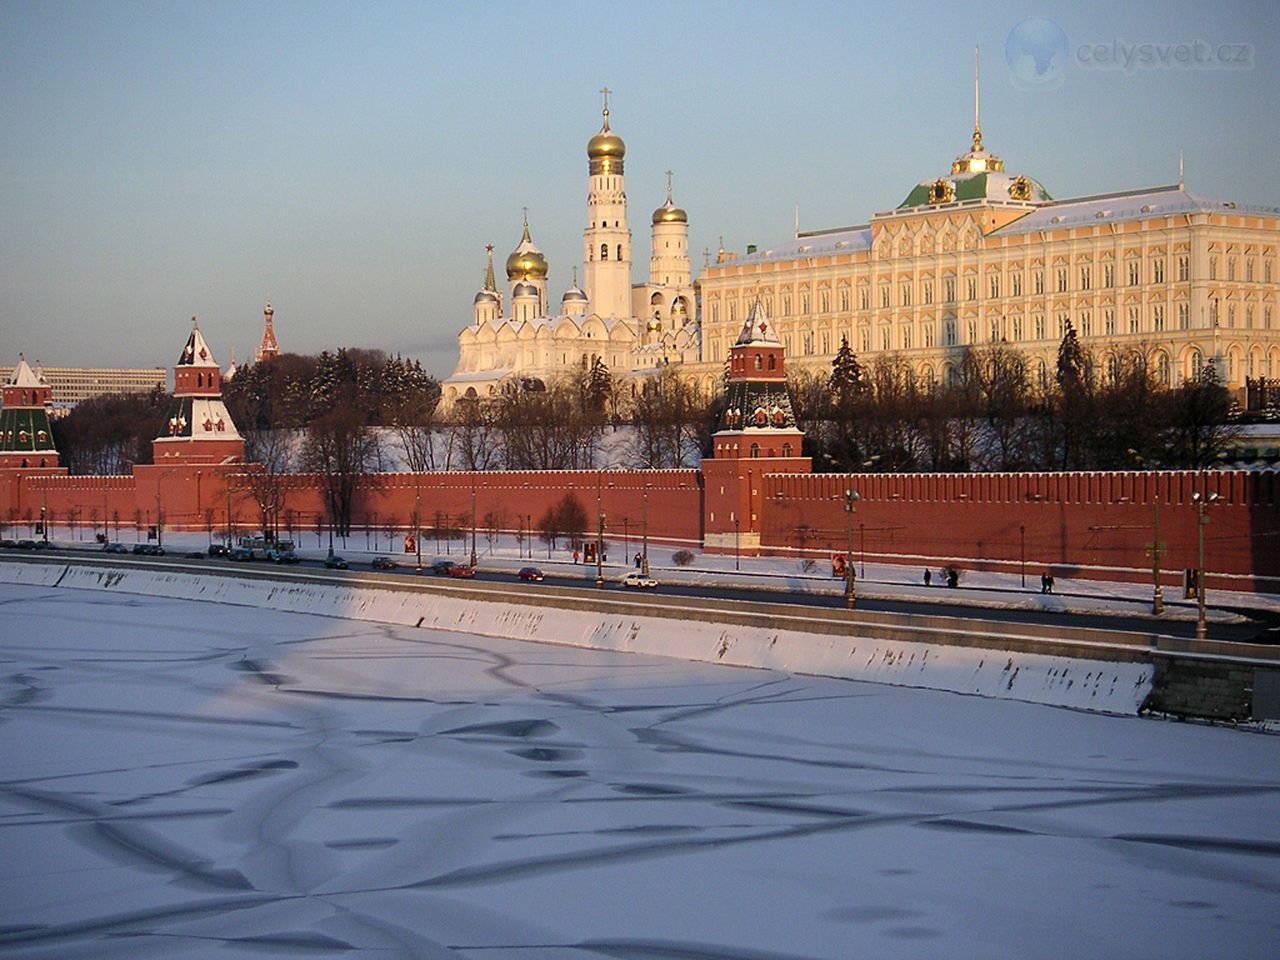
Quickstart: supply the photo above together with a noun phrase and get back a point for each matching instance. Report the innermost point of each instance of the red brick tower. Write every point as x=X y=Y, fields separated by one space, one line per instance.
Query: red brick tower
x=25 y=438
x=198 y=428
x=757 y=435
x=268 y=349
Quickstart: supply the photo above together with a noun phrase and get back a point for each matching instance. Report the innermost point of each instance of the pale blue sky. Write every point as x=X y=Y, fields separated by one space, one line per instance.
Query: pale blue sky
x=351 y=161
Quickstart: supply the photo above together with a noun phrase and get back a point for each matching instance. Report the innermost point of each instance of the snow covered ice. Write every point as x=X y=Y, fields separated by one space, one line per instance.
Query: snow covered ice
x=185 y=779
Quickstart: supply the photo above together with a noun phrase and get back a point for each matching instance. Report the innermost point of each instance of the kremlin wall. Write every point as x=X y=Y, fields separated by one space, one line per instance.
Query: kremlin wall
x=754 y=495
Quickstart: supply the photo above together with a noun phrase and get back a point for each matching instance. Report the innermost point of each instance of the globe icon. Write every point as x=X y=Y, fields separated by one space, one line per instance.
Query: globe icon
x=1036 y=51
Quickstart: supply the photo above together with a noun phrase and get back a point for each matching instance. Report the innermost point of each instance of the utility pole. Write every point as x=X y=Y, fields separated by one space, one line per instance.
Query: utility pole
x=1202 y=520
x=644 y=553
x=473 y=523
x=851 y=497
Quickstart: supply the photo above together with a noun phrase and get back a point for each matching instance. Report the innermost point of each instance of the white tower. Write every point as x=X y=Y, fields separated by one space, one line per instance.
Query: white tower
x=488 y=302
x=606 y=261
x=669 y=259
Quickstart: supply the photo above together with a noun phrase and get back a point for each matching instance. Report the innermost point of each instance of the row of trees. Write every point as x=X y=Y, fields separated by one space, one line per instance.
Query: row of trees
x=110 y=434
x=995 y=415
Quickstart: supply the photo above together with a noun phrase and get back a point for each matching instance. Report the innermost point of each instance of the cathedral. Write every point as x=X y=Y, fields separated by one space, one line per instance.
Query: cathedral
x=517 y=336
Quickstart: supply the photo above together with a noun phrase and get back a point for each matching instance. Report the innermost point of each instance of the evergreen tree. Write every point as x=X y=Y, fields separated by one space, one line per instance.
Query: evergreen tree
x=846 y=374
x=1073 y=400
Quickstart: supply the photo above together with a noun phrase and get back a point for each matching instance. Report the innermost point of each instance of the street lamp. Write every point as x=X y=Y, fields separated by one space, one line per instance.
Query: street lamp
x=1202 y=518
x=417 y=524
x=737 y=552
x=851 y=497
x=599 y=532
x=473 y=523
x=1022 y=547
x=644 y=550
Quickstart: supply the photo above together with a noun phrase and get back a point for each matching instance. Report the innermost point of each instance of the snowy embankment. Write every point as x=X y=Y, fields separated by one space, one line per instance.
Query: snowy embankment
x=1099 y=685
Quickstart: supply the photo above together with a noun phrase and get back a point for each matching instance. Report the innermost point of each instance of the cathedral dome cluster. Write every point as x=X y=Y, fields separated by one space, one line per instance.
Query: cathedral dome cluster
x=519 y=335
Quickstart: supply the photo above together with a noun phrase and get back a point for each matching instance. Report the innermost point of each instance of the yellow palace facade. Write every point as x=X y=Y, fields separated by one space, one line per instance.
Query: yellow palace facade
x=979 y=256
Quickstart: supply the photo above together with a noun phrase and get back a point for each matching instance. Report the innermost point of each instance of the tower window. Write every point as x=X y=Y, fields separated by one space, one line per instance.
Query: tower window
x=604 y=251
x=619 y=251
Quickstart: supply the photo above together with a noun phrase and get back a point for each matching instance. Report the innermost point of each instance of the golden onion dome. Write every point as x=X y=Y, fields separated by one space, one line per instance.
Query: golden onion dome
x=606 y=145
x=526 y=261
x=670 y=213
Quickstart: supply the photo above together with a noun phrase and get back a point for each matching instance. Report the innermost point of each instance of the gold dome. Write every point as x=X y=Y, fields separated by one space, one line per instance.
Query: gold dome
x=606 y=144
x=670 y=213
x=526 y=261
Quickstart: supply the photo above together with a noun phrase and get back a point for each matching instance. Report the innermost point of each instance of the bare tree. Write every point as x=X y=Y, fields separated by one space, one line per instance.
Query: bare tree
x=341 y=449
x=672 y=421
x=473 y=435
x=270 y=455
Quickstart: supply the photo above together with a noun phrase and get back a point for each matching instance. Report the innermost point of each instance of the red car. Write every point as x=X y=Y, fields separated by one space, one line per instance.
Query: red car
x=530 y=574
x=458 y=570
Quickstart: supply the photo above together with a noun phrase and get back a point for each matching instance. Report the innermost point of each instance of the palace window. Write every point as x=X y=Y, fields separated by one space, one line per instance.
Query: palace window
x=926 y=292
x=1184 y=316
x=1157 y=318
x=972 y=331
x=806 y=342
x=928 y=334
x=864 y=340
x=1162 y=368
x=1248 y=270
x=1184 y=268
x=949 y=332
x=1133 y=319
x=1017 y=329
x=1231 y=315
x=1062 y=325
x=844 y=301
x=1086 y=324
x=715 y=311
x=1248 y=316
x=786 y=304
x=993 y=286
x=1086 y=278
x=1108 y=274
x=1266 y=317
x=906 y=337
x=1061 y=276
x=1157 y=271
x=733 y=311
x=886 y=336
x=1132 y=266
x=1109 y=323
x=826 y=342
x=906 y=294
x=824 y=301
x=1017 y=284
x=804 y=303
x=1213 y=269
x=1231 y=268
x=971 y=287
x=1037 y=281
x=1038 y=323
x=884 y=295
x=949 y=289
x=994 y=333
x=1266 y=271
x=864 y=299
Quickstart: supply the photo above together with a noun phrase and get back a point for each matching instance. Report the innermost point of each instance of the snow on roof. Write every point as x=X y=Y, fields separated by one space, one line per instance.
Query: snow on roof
x=1126 y=205
x=24 y=376
x=758 y=329
x=815 y=244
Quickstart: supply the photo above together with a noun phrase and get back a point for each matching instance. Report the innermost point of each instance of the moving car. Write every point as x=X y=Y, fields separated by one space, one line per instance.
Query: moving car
x=148 y=550
x=461 y=571
x=441 y=568
x=638 y=581
x=283 y=556
x=530 y=574
x=383 y=563
x=218 y=550
x=242 y=554
x=115 y=548
x=335 y=562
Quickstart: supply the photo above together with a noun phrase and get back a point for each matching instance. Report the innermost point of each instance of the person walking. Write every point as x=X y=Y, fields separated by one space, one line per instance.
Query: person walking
x=928 y=577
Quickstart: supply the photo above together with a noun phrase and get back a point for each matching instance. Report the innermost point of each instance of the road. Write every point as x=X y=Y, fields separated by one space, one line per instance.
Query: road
x=1260 y=627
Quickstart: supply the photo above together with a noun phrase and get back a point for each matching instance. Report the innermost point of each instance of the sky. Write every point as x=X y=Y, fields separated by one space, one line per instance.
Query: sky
x=350 y=161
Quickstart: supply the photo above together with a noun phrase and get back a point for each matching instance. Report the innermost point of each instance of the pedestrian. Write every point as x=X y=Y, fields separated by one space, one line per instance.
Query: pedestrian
x=637 y=561
x=1044 y=583
x=1048 y=577
x=953 y=578
x=928 y=577
x=575 y=556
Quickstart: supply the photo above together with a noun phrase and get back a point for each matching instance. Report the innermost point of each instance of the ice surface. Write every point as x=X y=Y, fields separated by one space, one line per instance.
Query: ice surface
x=198 y=780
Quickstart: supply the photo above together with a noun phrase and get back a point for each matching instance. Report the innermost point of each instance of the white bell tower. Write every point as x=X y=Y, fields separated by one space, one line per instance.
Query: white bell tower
x=606 y=261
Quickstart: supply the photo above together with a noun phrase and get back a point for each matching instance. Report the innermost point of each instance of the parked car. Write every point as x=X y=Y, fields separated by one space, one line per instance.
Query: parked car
x=638 y=581
x=26 y=544
x=194 y=555
x=115 y=548
x=335 y=562
x=7 y=544
x=530 y=574
x=283 y=556
x=148 y=550
x=383 y=563
x=441 y=568
x=218 y=550
x=240 y=554
x=462 y=571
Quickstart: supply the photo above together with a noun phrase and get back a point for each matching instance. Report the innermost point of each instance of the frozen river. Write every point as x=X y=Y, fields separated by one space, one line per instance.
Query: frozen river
x=181 y=779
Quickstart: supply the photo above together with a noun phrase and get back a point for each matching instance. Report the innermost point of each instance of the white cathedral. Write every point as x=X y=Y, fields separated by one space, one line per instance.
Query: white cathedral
x=633 y=328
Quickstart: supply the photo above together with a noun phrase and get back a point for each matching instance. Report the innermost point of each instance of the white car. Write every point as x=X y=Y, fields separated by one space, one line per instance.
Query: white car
x=639 y=581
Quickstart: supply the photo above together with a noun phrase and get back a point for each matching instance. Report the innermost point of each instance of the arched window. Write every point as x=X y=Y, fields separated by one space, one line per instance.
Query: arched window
x=773 y=362
x=786 y=449
x=755 y=451
x=759 y=362
x=619 y=251
x=604 y=251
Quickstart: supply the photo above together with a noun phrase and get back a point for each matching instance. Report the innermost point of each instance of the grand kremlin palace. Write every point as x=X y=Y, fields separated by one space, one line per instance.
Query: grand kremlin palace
x=974 y=256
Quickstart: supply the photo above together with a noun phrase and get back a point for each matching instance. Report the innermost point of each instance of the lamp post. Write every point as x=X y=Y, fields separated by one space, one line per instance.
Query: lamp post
x=862 y=549
x=417 y=524
x=1157 y=596
x=599 y=531
x=473 y=523
x=644 y=550
x=1022 y=552
x=159 y=518
x=737 y=551
x=1202 y=519
x=851 y=497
